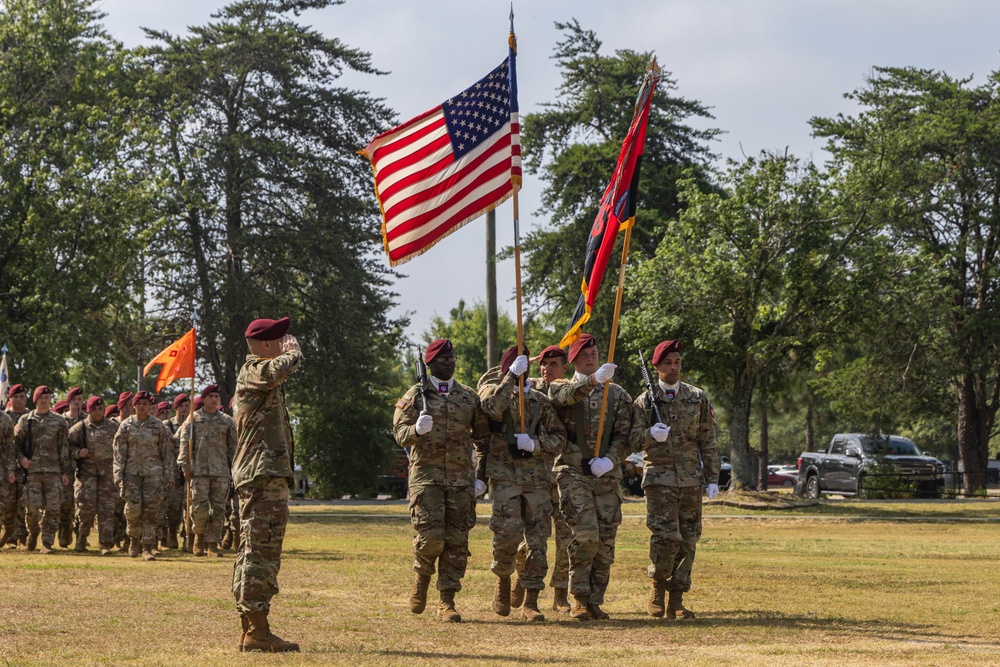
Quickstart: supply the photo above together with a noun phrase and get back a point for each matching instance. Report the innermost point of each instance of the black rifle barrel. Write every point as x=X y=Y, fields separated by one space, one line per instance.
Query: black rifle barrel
x=649 y=387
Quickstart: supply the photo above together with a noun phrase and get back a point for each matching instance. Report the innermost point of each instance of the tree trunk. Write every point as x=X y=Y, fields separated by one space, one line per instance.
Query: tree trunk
x=742 y=458
x=973 y=442
x=763 y=456
x=810 y=432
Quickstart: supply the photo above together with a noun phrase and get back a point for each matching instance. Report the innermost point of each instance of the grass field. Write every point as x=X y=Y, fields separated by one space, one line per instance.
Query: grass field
x=807 y=590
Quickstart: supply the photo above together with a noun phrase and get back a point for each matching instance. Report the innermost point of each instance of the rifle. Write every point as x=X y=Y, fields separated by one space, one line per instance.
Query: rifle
x=648 y=380
x=26 y=453
x=79 y=461
x=422 y=380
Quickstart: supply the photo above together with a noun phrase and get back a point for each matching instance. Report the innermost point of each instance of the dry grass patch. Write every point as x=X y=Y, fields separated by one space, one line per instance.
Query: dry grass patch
x=789 y=592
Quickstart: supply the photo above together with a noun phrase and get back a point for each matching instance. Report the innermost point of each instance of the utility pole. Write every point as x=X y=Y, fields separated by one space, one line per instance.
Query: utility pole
x=492 y=345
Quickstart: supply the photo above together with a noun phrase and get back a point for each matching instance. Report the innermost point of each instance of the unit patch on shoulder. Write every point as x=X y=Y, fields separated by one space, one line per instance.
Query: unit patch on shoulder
x=401 y=403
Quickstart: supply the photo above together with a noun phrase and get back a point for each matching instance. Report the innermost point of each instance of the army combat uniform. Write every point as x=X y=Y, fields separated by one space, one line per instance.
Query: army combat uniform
x=522 y=507
x=591 y=505
x=213 y=450
x=674 y=474
x=143 y=465
x=441 y=479
x=172 y=507
x=20 y=529
x=67 y=508
x=8 y=489
x=95 y=492
x=45 y=436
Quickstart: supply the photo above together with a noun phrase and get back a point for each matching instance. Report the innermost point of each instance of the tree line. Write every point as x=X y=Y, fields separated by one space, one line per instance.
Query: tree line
x=213 y=175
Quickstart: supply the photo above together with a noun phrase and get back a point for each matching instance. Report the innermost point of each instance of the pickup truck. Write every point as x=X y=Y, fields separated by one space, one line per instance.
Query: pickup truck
x=841 y=468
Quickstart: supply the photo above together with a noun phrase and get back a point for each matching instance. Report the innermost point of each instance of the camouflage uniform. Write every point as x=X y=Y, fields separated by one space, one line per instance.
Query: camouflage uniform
x=20 y=529
x=673 y=477
x=560 y=567
x=67 y=508
x=214 y=449
x=172 y=507
x=442 y=477
x=8 y=466
x=522 y=508
x=262 y=471
x=49 y=461
x=591 y=506
x=95 y=491
x=142 y=463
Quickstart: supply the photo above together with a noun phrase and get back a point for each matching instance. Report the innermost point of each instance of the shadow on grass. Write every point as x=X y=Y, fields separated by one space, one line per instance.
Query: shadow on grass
x=458 y=657
x=334 y=518
x=317 y=556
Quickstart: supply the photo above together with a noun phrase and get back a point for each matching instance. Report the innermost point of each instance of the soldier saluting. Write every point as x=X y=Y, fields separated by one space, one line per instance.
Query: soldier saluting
x=679 y=458
x=262 y=473
x=437 y=419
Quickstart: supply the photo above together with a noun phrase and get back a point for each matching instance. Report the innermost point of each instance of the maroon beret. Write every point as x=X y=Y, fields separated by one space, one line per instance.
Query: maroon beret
x=162 y=405
x=437 y=348
x=212 y=388
x=553 y=351
x=112 y=411
x=265 y=329
x=60 y=407
x=180 y=399
x=124 y=398
x=73 y=393
x=198 y=401
x=16 y=389
x=582 y=343
x=508 y=357
x=39 y=391
x=142 y=395
x=665 y=348
x=95 y=402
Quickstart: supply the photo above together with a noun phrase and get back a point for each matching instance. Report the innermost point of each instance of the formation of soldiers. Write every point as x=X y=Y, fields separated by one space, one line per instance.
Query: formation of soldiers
x=77 y=465
x=550 y=449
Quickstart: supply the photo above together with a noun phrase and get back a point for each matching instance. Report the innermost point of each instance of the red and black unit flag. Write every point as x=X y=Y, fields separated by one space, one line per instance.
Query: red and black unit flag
x=617 y=210
x=448 y=166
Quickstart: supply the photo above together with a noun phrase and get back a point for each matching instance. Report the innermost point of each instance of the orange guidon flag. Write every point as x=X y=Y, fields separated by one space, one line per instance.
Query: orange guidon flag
x=177 y=360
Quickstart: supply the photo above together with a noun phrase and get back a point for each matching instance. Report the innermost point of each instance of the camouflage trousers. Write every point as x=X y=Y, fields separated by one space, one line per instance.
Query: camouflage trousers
x=67 y=515
x=172 y=508
x=17 y=510
x=232 y=510
x=143 y=496
x=442 y=517
x=592 y=508
x=521 y=513
x=208 y=505
x=263 y=516
x=673 y=516
x=8 y=507
x=42 y=498
x=560 y=569
x=96 y=497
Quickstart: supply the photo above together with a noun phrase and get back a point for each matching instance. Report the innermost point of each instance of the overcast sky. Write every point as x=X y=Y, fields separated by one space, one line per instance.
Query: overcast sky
x=765 y=67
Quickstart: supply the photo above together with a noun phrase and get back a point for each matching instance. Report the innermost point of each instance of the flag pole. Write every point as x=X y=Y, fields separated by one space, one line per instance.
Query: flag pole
x=516 y=186
x=188 y=528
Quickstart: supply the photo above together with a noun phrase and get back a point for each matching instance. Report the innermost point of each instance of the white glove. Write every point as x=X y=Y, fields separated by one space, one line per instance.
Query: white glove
x=712 y=491
x=605 y=373
x=601 y=466
x=659 y=432
x=424 y=424
x=480 y=487
x=519 y=366
x=524 y=442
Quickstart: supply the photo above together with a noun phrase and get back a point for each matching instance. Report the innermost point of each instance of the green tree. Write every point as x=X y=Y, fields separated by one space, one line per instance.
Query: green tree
x=924 y=152
x=271 y=214
x=573 y=144
x=75 y=203
x=466 y=329
x=770 y=269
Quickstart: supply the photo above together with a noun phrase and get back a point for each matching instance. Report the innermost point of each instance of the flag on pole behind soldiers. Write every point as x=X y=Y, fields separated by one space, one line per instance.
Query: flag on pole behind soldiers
x=177 y=361
x=4 y=379
x=448 y=166
x=616 y=213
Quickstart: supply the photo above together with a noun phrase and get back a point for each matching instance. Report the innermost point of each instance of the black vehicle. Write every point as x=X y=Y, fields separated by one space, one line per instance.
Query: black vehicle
x=851 y=457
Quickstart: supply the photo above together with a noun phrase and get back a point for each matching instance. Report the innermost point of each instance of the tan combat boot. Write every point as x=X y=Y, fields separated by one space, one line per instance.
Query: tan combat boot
x=446 y=611
x=134 y=549
x=213 y=550
x=227 y=539
x=4 y=537
x=579 y=609
x=81 y=546
x=171 y=538
x=517 y=594
x=46 y=549
x=32 y=542
x=501 y=597
x=560 y=600
x=198 y=549
x=675 y=606
x=597 y=613
x=245 y=624
x=260 y=638
x=147 y=554
x=530 y=612
x=106 y=549
x=418 y=596
x=65 y=534
x=655 y=605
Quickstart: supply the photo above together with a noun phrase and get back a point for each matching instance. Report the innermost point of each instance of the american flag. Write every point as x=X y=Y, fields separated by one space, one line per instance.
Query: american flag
x=448 y=166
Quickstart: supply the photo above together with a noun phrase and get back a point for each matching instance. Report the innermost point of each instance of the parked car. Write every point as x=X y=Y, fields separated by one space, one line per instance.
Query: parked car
x=781 y=476
x=395 y=483
x=843 y=468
